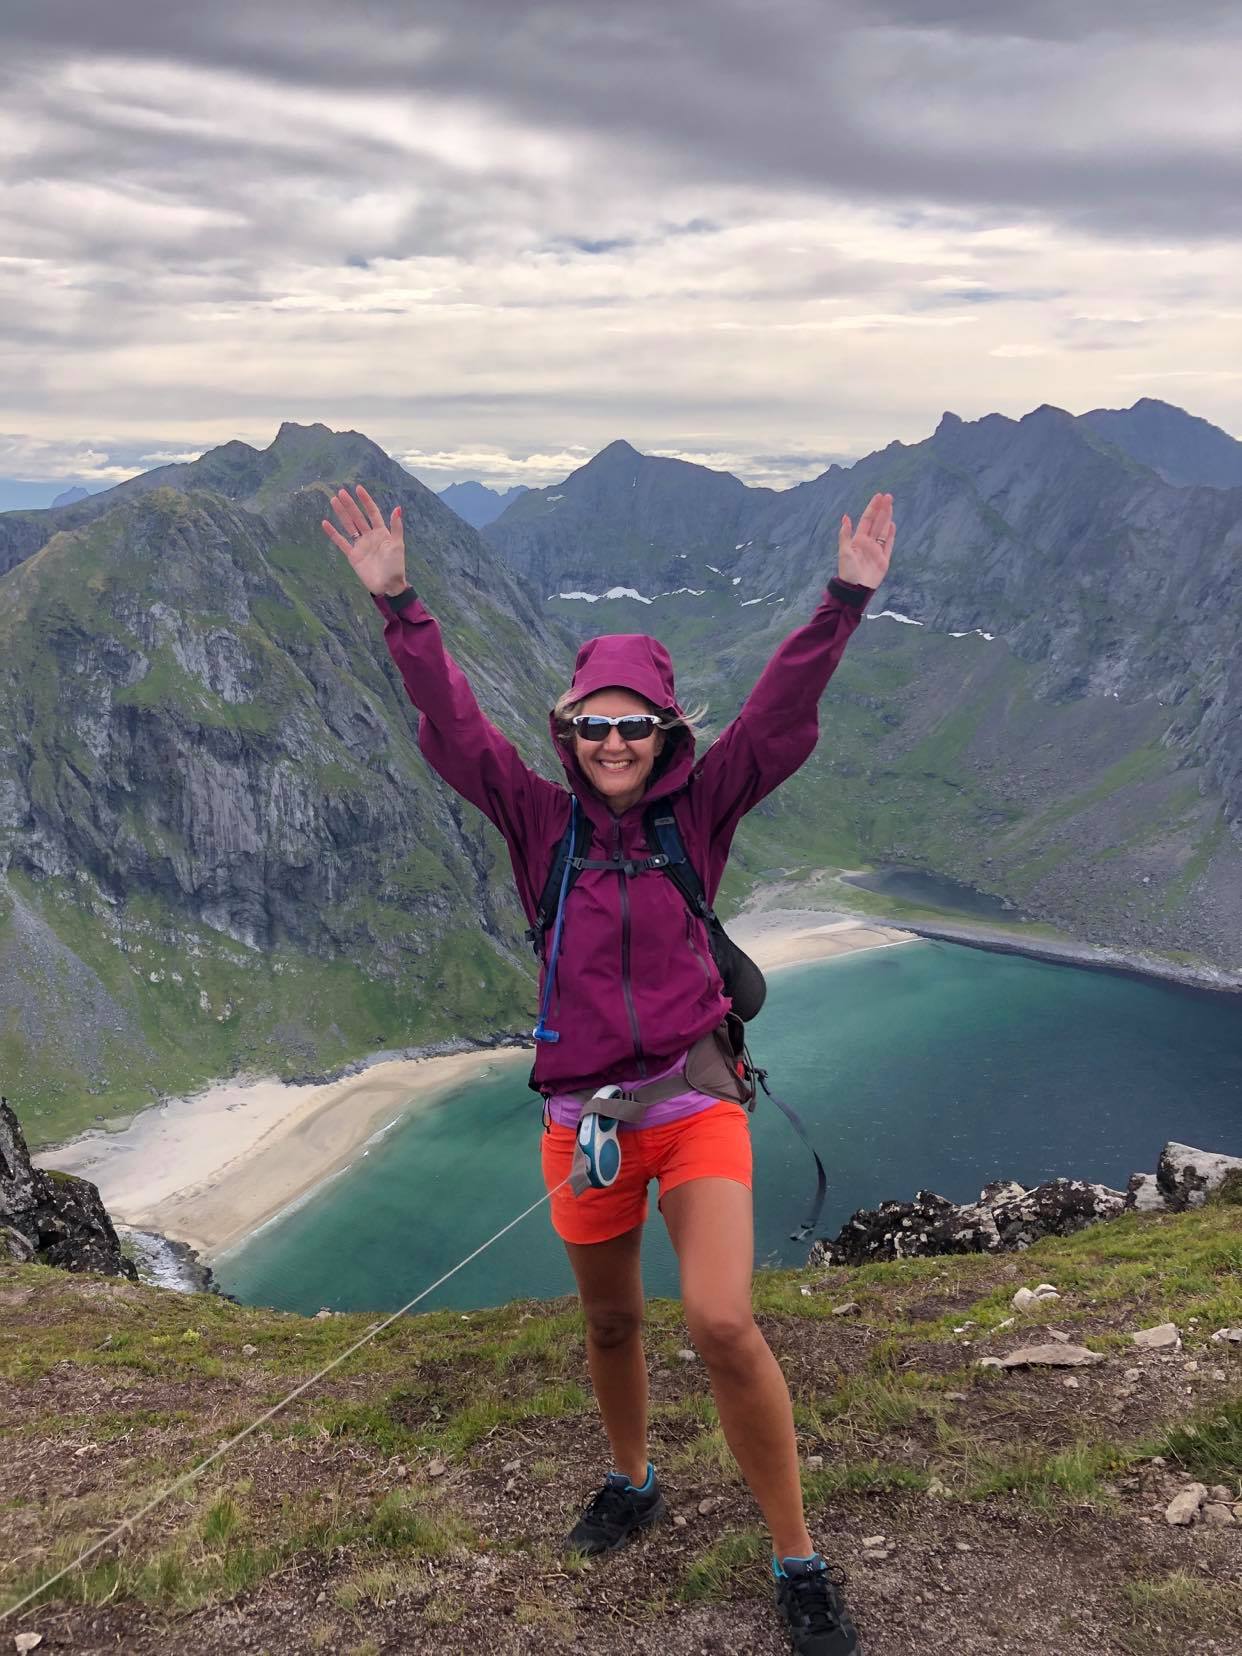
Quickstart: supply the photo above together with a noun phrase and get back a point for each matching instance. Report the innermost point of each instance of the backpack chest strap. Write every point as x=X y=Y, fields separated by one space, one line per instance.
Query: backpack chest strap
x=629 y=866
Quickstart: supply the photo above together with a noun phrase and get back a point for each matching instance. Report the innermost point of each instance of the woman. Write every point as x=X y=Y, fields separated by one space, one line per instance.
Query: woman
x=634 y=991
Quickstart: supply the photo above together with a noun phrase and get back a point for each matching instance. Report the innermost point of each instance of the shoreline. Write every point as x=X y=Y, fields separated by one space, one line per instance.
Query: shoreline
x=209 y=1170
x=833 y=891
x=1092 y=957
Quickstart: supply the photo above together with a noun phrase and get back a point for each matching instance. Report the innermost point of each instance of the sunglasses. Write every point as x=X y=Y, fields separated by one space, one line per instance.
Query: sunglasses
x=631 y=727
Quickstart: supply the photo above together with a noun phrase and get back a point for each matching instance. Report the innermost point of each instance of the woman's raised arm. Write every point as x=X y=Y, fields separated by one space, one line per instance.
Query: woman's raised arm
x=778 y=726
x=457 y=738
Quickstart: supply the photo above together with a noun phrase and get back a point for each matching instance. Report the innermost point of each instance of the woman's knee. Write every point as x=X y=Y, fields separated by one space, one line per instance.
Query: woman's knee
x=724 y=1336
x=612 y=1325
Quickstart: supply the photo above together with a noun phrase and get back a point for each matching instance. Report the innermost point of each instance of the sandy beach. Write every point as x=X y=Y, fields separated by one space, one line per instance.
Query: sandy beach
x=211 y=1168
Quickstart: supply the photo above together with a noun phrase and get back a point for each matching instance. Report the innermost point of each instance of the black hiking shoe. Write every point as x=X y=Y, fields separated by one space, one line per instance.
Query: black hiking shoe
x=810 y=1600
x=616 y=1513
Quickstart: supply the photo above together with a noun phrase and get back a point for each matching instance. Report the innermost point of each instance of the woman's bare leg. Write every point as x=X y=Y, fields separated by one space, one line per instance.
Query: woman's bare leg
x=711 y=1222
x=610 y=1286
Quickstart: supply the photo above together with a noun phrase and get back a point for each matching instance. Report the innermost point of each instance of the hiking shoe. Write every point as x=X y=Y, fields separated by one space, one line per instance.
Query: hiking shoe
x=810 y=1600
x=619 y=1511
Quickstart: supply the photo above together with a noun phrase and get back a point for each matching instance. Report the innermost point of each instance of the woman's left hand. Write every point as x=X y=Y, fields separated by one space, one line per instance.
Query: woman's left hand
x=864 y=553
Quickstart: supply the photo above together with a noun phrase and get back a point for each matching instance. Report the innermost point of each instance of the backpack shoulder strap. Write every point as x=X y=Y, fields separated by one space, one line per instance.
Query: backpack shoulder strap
x=660 y=827
x=573 y=846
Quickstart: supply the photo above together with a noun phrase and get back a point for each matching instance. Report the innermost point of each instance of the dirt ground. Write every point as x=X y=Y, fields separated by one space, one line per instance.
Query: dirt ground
x=1007 y=1512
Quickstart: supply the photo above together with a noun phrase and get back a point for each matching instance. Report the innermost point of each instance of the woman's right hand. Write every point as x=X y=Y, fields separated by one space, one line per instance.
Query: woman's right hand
x=375 y=549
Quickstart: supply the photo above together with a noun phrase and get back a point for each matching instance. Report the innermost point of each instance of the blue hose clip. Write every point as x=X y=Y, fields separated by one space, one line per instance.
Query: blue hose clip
x=600 y=1145
x=541 y=1032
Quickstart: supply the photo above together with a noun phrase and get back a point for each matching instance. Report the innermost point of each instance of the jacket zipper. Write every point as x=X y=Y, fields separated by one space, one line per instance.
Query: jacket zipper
x=626 y=987
x=696 y=951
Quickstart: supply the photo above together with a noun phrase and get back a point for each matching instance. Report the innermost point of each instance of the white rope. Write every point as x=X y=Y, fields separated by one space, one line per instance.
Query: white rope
x=189 y=1477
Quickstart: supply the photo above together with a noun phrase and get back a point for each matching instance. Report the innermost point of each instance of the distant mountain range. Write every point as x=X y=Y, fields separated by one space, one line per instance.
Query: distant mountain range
x=478 y=504
x=1178 y=446
x=66 y=497
x=1047 y=531
x=220 y=848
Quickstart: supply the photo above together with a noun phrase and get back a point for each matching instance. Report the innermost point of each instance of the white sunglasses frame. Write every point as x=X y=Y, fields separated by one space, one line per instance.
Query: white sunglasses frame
x=657 y=723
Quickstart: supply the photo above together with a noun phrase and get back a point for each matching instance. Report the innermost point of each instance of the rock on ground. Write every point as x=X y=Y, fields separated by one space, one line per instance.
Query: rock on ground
x=1184 y=1507
x=1144 y=1195
x=1051 y=1356
x=1164 y=1337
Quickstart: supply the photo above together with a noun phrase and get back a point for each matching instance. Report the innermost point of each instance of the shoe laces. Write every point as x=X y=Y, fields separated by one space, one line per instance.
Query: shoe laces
x=815 y=1598
x=611 y=1504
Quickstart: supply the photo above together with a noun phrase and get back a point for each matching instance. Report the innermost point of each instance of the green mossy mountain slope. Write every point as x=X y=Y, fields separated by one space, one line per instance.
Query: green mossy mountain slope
x=221 y=846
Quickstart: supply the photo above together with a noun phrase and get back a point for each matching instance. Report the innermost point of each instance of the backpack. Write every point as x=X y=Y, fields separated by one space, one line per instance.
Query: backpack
x=743 y=981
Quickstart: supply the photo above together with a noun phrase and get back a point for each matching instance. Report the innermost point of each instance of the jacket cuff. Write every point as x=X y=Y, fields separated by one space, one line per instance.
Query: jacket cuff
x=855 y=597
x=388 y=607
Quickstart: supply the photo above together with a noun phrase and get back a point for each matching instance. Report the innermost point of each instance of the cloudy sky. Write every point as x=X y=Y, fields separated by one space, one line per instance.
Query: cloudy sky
x=495 y=235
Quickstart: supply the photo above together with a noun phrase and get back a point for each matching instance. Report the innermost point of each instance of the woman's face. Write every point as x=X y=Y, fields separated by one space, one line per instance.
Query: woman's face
x=618 y=771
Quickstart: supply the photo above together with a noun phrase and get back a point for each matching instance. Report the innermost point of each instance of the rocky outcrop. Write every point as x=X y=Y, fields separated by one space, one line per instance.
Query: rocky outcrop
x=1185 y=1177
x=53 y=1218
x=1008 y=1216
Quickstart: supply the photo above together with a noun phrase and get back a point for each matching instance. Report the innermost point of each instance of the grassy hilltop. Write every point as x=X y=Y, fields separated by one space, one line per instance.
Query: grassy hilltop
x=414 y=1500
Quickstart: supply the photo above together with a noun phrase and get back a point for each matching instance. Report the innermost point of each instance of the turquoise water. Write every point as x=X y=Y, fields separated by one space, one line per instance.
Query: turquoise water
x=928 y=1065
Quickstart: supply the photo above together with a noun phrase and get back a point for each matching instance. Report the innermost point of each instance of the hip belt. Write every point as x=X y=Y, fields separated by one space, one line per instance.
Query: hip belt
x=713 y=1066
x=717 y=1064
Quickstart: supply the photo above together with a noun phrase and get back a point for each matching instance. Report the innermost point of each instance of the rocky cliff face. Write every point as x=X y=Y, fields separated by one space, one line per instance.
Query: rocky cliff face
x=53 y=1218
x=1177 y=446
x=1045 y=531
x=1052 y=707
x=216 y=833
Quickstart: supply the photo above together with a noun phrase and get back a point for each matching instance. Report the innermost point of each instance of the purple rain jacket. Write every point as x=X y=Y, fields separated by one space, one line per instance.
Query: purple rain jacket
x=636 y=984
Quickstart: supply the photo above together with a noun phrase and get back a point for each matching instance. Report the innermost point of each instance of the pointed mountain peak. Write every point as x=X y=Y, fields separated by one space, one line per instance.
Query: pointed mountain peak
x=1046 y=414
x=291 y=434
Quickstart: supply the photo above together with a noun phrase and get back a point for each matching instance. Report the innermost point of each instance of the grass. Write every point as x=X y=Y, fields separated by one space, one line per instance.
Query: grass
x=338 y=1487
x=1044 y=1480
x=1164 y=1611
x=1211 y=1449
x=719 y=1570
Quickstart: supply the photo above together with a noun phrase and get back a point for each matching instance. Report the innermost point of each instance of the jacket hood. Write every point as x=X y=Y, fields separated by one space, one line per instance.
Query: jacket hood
x=626 y=661
x=630 y=661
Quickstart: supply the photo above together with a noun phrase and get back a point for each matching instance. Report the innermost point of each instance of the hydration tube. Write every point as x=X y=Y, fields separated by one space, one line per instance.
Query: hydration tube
x=541 y=1032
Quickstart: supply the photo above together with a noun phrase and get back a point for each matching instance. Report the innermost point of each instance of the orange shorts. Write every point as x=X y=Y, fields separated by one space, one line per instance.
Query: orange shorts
x=714 y=1144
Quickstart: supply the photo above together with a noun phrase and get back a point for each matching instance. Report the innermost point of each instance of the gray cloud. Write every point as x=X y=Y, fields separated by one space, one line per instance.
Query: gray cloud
x=544 y=224
x=905 y=101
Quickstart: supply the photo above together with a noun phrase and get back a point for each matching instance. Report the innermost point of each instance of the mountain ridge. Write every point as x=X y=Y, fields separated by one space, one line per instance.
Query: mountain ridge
x=219 y=847
x=478 y=504
x=218 y=843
